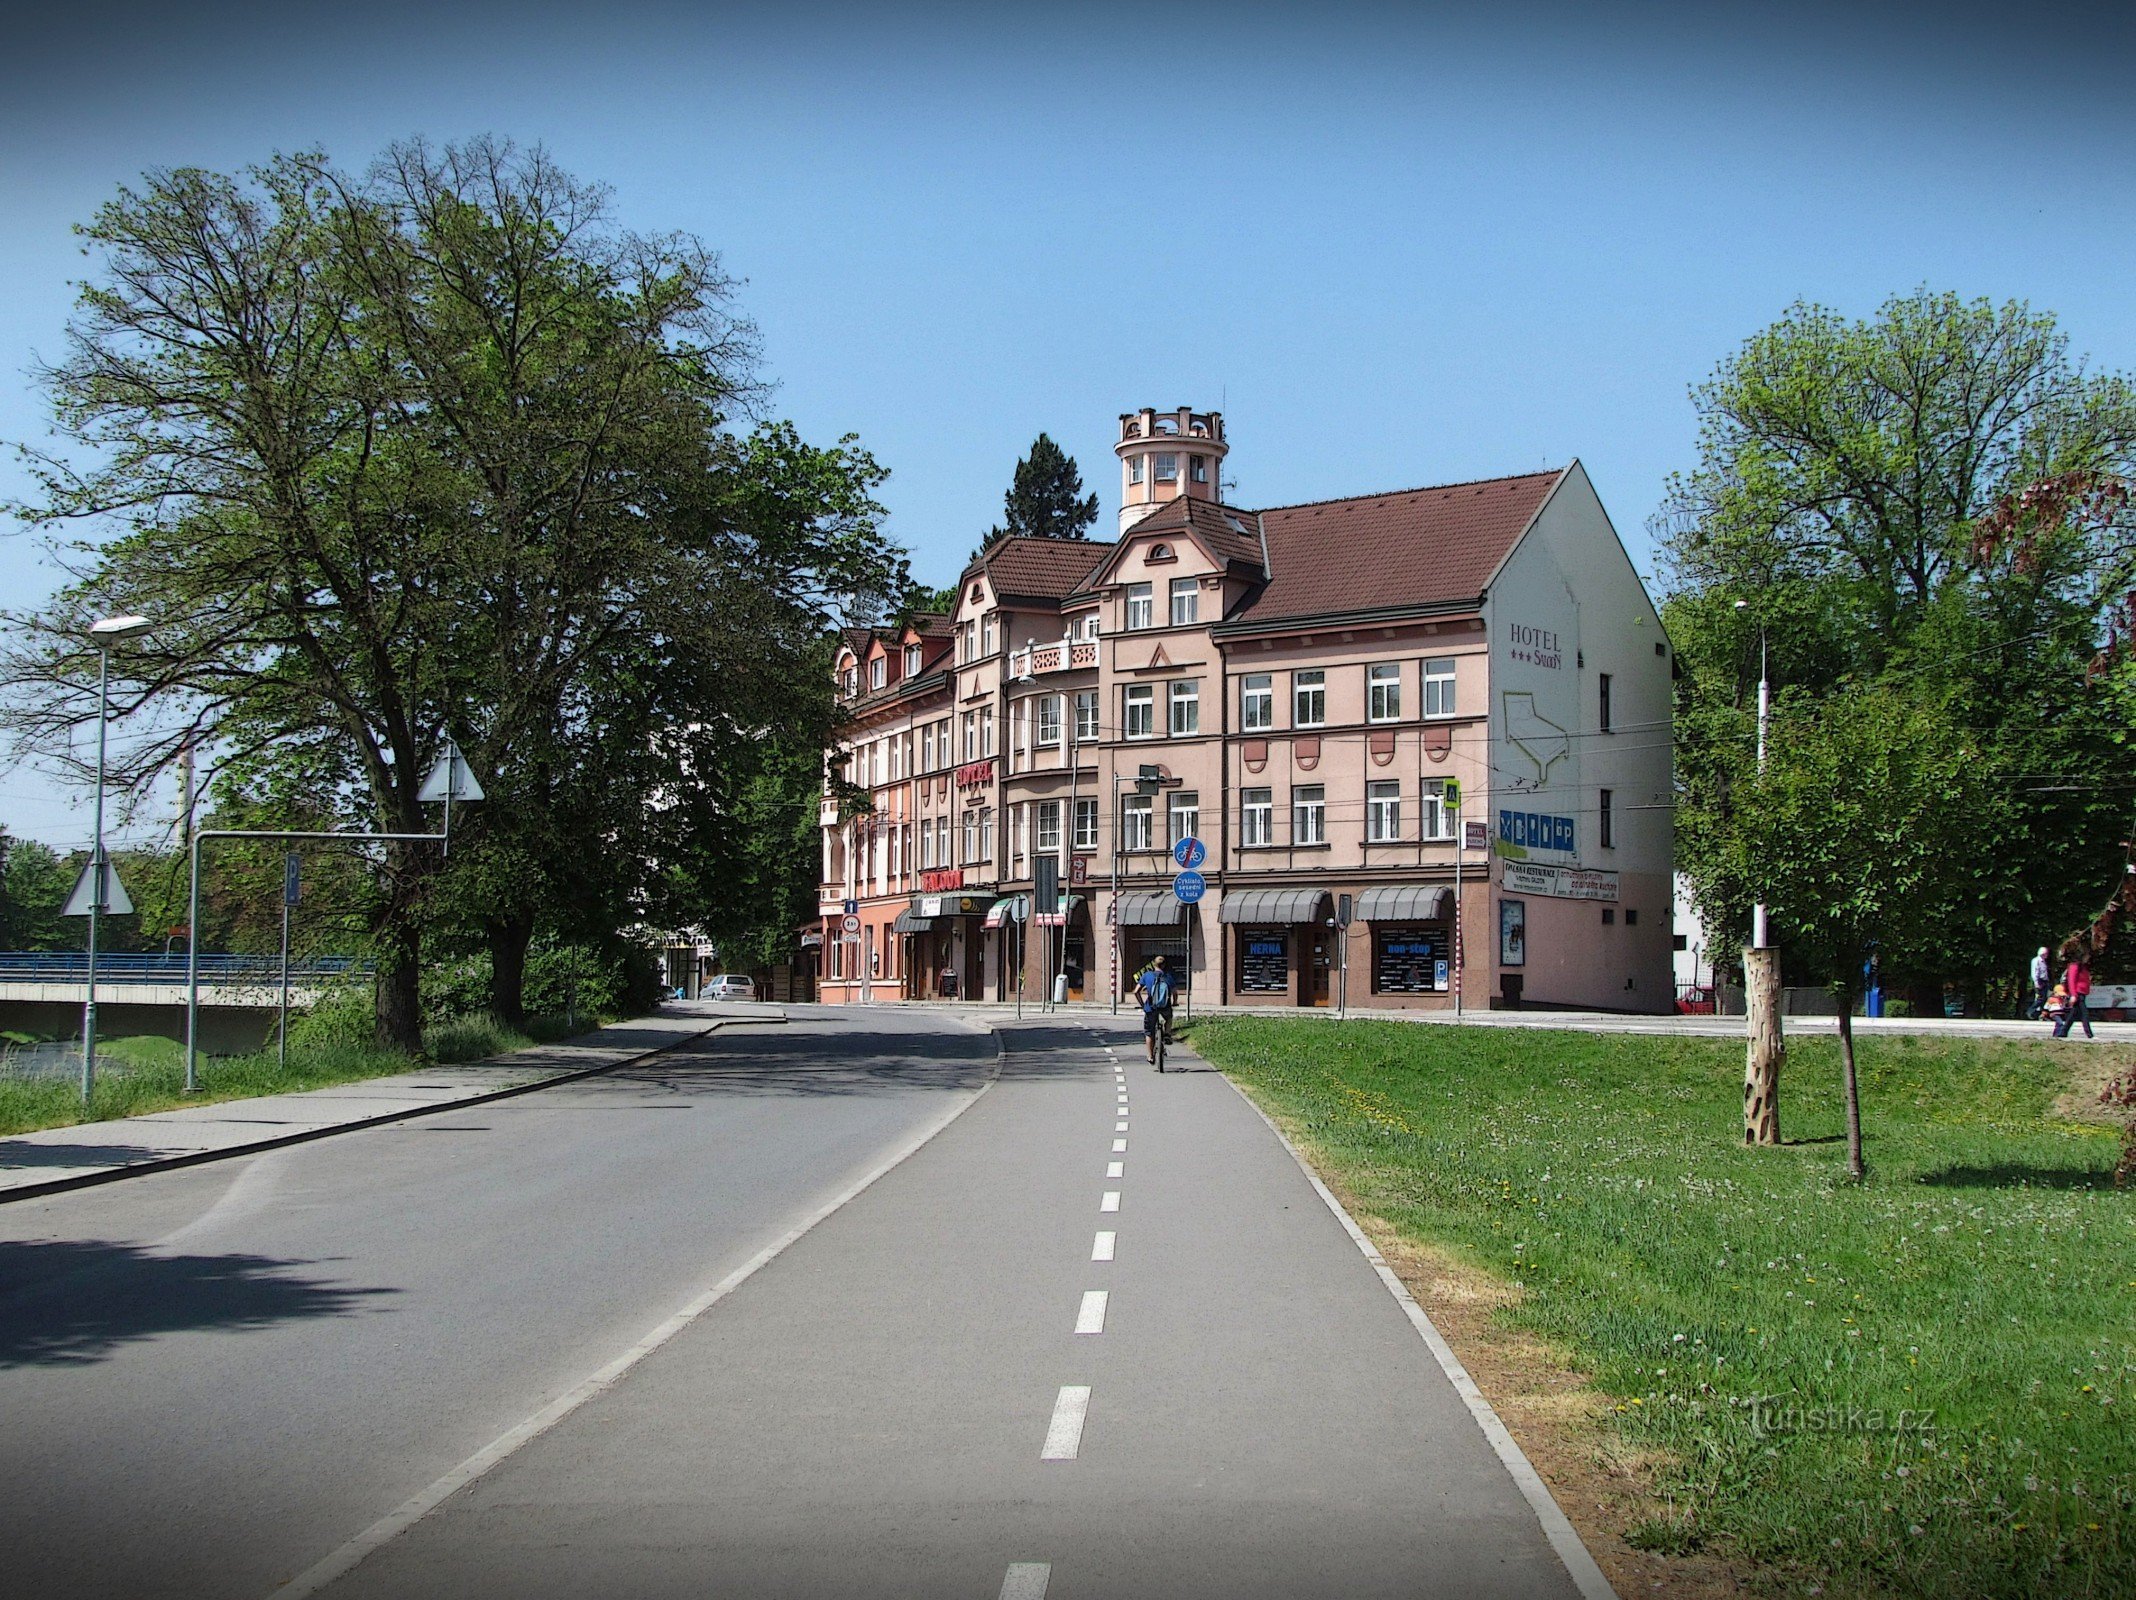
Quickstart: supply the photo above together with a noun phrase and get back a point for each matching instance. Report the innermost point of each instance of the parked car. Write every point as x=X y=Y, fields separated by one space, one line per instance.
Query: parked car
x=730 y=986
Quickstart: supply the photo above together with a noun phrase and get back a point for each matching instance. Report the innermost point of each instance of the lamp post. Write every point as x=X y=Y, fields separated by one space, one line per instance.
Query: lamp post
x=1760 y=933
x=105 y=633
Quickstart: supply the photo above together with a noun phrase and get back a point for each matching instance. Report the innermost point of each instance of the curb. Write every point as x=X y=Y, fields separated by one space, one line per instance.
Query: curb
x=1578 y=1561
x=137 y=1169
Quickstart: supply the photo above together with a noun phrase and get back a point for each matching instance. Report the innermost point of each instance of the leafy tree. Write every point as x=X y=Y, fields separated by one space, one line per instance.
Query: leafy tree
x=1045 y=499
x=1868 y=805
x=1845 y=469
x=34 y=883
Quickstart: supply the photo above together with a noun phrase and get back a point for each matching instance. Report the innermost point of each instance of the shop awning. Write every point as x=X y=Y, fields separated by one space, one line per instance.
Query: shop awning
x=1280 y=907
x=1407 y=902
x=1057 y=919
x=1149 y=908
x=910 y=921
x=1010 y=908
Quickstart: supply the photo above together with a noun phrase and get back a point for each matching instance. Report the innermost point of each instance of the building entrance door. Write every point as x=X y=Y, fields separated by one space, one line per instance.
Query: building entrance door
x=1319 y=981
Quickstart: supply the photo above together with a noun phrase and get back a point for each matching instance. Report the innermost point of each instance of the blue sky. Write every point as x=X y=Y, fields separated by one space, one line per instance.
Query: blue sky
x=1396 y=245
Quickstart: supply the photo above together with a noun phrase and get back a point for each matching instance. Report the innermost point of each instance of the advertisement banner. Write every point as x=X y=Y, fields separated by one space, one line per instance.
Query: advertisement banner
x=1559 y=883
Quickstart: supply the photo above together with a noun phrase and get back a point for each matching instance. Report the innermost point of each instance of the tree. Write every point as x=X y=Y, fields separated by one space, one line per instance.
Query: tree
x=1845 y=471
x=417 y=457
x=1856 y=833
x=1045 y=499
x=34 y=884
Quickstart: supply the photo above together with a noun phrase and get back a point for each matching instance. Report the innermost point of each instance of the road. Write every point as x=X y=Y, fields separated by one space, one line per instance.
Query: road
x=215 y=1380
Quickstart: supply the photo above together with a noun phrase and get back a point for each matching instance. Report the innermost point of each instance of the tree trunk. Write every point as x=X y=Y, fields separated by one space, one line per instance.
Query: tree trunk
x=508 y=941
x=1855 y=1168
x=1767 y=1051
x=398 y=1009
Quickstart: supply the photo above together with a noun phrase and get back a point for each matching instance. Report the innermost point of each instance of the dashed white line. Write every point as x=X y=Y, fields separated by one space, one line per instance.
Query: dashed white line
x=1101 y=1248
x=1064 y=1434
x=1091 y=1317
x=1027 y=1580
x=1116 y=1169
x=1119 y=1147
x=1111 y=1201
x=1119 y=1127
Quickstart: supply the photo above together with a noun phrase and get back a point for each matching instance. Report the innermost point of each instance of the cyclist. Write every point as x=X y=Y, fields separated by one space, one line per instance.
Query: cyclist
x=1155 y=991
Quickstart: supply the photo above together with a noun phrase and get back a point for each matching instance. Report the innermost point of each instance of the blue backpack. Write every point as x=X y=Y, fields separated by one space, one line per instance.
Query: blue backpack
x=1158 y=986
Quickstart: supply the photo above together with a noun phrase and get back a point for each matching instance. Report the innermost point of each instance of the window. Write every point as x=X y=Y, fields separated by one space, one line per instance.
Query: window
x=1257 y=821
x=1198 y=468
x=1604 y=706
x=1309 y=814
x=991 y=641
x=1606 y=822
x=849 y=681
x=1049 y=826
x=1086 y=716
x=1136 y=812
x=927 y=859
x=1090 y=626
x=1186 y=816
x=1139 y=606
x=876 y=669
x=971 y=736
x=1631 y=916
x=1186 y=709
x=942 y=840
x=986 y=731
x=1439 y=687
x=1383 y=811
x=1309 y=699
x=927 y=753
x=1168 y=468
x=986 y=833
x=1257 y=702
x=912 y=660
x=1438 y=821
x=1186 y=597
x=1134 y=469
x=1086 y=825
x=967 y=642
x=971 y=837
x=1049 y=719
x=1141 y=718
x=1609 y=917
x=1383 y=692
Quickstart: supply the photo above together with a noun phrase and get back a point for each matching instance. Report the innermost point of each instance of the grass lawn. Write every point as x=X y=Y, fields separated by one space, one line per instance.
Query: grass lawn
x=139 y=1075
x=1917 y=1386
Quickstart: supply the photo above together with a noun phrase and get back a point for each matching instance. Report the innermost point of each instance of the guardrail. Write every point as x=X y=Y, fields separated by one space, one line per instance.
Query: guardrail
x=72 y=966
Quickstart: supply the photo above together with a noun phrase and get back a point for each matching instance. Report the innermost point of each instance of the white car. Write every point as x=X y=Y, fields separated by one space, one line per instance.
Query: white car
x=730 y=986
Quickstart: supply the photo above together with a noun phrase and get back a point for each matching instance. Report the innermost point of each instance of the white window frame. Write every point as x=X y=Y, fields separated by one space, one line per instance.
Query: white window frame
x=1198 y=468
x=1187 y=590
x=1138 y=711
x=971 y=736
x=1182 y=816
x=1309 y=813
x=1438 y=821
x=1134 y=469
x=912 y=660
x=1383 y=692
x=1086 y=716
x=1086 y=811
x=990 y=639
x=1383 y=811
x=986 y=732
x=1049 y=720
x=1309 y=686
x=1168 y=467
x=986 y=833
x=971 y=836
x=1138 y=815
x=1183 y=709
x=1049 y=827
x=878 y=671
x=1257 y=817
x=1141 y=607
x=1441 y=676
x=1257 y=690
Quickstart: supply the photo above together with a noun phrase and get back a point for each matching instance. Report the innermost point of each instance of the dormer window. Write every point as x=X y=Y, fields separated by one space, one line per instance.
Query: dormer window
x=1160 y=552
x=912 y=660
x=877 y=669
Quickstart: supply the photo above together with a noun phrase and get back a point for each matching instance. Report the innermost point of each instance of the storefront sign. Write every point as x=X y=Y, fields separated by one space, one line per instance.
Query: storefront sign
x=1559 y=883
x=1264 y=961
x=949 y=905
x=1409 y=960
x=1522 y=831
x=942 y=879
x=973 y=773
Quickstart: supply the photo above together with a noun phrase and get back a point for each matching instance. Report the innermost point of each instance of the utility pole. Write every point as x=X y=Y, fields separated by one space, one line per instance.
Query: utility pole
x=1765 y=1052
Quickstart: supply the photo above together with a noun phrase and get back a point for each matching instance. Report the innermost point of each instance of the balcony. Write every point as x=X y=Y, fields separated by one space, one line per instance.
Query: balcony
x=1063 y=655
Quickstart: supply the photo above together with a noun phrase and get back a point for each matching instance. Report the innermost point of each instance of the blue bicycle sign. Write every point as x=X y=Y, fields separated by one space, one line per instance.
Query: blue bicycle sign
x=1189 y=852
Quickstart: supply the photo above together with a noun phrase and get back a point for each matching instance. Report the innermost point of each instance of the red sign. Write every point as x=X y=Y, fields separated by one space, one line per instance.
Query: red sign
x=1079 y=869
x=975 y=772
x=942 y=880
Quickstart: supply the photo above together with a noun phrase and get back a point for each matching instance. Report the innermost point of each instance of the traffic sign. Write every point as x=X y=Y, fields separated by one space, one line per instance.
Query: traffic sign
x=850 y=907
x=852 y=923
x=1189 y=887
x=292 y=879
x=1189 y=852
x=114 y=903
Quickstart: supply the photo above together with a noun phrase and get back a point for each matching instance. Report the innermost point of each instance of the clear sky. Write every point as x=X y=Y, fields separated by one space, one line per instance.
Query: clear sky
x=1396 y=245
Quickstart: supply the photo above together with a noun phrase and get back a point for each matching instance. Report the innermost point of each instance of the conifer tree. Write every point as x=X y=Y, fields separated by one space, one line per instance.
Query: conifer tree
x=1045 y=499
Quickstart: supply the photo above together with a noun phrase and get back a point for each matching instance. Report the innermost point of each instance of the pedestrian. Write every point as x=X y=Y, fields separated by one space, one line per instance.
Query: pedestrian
x=2042 y=981
x=2076 y=978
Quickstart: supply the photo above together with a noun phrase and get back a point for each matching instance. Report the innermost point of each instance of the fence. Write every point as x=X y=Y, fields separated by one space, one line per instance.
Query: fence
x=72 y=966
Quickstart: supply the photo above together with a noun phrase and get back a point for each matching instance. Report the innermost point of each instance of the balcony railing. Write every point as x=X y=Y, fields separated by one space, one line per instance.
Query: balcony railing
x=1063 y=655
x=63 y=966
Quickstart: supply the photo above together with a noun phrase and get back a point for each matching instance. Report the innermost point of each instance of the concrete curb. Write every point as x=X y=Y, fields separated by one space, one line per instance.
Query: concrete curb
x=196 y=1158
x=1579 y=1564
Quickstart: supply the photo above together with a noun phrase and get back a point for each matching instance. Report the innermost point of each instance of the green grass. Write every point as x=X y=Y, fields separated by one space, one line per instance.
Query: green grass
x=1985 y=1274
x=140 y=1075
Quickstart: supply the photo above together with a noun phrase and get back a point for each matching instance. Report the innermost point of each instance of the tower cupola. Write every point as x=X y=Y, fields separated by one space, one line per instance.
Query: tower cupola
x=1166 y=454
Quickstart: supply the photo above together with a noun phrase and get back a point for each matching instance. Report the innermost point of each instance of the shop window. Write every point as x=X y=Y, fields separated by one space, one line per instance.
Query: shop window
x=1264 y=960
x=1410 y=960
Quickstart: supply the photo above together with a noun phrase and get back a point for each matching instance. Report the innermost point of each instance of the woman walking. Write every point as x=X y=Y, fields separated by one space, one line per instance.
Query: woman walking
x=2076 y=978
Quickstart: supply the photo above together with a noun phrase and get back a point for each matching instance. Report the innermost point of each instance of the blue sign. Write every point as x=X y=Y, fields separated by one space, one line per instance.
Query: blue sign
x=852 y=908
x=292 y=879
x=1532 y=830
x=1189 y=887
x=1189 y=852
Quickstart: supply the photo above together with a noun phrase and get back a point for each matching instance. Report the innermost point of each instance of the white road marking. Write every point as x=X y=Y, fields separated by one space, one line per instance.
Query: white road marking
x=1064 y=1434
x=1027 y=1580
x=1111 y=1202
x=1091 y=1318
x=1119 y=1147
x=1116 y=1169
x=1101 y=1248
x=1119 y=1127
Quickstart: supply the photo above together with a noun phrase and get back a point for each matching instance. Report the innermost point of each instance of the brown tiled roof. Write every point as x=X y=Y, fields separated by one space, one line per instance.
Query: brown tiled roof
x=1414 y=547
x=931 y=624
x=1038 y=569
x=1229 y=533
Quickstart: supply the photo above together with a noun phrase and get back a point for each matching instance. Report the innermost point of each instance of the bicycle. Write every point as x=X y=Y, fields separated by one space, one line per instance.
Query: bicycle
x=1160 y=1037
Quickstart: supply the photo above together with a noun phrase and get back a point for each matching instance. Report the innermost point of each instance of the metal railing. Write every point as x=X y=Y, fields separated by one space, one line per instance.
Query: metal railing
x=72 y=966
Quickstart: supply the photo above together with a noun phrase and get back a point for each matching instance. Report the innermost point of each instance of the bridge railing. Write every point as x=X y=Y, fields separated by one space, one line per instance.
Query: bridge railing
x=72 y=966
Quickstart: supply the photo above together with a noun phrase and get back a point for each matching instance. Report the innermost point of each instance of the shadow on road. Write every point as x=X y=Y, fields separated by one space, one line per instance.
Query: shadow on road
x=73 y=1302
x=807 y=1062
x=22 y=1156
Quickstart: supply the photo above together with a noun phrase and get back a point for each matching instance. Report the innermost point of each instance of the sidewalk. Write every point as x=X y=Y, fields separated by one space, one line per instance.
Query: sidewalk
x=98 y=1152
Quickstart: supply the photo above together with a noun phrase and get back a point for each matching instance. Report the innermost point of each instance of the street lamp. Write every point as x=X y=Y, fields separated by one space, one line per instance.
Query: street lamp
x=1760 y=934
x=103 y=633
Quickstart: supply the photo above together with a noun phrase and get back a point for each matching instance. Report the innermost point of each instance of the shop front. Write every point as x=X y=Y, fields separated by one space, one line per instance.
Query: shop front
x=1280 y=948
x=1153 y=923
x=1412 y=931
x=944 y=946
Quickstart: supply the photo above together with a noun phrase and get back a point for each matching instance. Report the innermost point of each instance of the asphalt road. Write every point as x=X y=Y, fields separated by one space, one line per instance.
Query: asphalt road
x=1097 y=1337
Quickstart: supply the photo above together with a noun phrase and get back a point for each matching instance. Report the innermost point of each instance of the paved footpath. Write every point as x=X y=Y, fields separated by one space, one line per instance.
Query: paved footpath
x=93 y=1152
x=1100 y=1336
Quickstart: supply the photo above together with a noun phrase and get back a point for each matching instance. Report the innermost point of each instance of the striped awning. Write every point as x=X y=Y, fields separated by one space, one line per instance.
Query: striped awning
x=1148 y=908
x=910 y=921
x=1057 y=919
x=1406 y=902
x=1280 y=907
x=1010 y=908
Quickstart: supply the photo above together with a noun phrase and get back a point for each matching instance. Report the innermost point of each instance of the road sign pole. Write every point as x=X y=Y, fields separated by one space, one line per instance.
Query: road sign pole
x=96 y=868
x=281 y=1040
